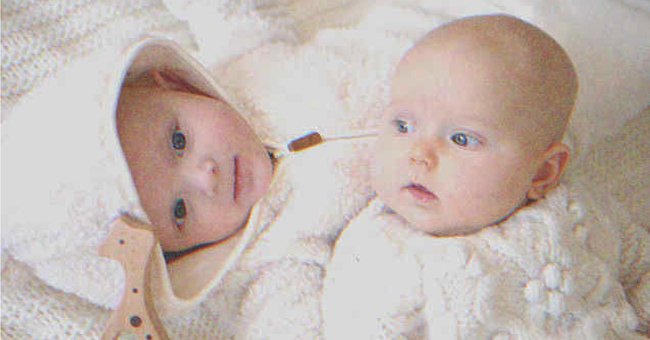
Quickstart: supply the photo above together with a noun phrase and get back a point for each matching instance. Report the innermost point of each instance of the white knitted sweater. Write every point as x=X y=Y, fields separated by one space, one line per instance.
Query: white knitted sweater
x=552 y=270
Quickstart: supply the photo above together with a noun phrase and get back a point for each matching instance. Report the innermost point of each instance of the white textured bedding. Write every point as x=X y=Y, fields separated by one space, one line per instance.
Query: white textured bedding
x=326 y=64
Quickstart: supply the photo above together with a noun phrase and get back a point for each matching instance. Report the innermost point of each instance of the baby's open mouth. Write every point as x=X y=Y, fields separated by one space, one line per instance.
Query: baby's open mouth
x=420 y=193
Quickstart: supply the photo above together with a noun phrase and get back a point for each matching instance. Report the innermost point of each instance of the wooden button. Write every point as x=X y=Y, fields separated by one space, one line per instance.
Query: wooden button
x=306 y=141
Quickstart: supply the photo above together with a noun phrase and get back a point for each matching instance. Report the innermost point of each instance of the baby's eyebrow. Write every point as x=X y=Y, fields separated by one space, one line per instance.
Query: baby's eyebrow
x=478 y=121
x=398 y=104
x=401 y=110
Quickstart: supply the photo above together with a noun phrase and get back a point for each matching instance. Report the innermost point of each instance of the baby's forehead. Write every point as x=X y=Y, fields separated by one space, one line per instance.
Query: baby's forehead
x=496 y=39
x=477 y=81
x=494 y=60
x=475 y=57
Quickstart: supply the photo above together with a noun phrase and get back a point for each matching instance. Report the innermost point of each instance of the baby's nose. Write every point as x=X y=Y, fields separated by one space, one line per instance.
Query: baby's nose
x=205 y=176
x=208 y=167
x=423 y=154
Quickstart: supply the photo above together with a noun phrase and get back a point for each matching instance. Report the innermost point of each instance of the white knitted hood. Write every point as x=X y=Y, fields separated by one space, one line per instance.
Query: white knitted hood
x=67 y=176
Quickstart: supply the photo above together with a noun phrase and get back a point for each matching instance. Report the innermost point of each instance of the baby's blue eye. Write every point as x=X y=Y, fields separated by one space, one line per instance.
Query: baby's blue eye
x=464 y=140
x=402 y=126
x=178 y=140
x=179 y=213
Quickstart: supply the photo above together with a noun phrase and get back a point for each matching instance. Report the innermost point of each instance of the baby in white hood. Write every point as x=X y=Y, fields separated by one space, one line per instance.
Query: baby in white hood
x=146 y=131
x=471 y=235
x=198 y=166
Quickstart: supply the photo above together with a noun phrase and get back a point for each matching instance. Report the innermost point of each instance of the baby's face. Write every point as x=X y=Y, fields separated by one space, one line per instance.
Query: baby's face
x=197 y=165
x=453 y=153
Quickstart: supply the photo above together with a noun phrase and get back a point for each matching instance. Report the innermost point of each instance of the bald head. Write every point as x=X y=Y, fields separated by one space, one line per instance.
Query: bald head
x=515 y=64
x=478 y=108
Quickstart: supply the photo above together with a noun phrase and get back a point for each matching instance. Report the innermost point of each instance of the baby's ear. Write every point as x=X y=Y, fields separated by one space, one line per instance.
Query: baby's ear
x=554 y=161
x=170 y=81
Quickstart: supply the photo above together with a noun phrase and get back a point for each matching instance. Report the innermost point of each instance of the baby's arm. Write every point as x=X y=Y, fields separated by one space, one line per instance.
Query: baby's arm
x=635 y=272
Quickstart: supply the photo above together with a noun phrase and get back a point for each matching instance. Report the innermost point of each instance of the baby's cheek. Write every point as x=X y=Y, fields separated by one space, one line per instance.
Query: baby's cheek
x=377 y=172
x=380 y=154
x=382 y=173
x=473 y=185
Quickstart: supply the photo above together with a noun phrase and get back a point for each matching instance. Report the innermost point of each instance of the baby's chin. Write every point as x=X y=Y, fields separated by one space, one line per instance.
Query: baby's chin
x=451 y=231
x=437 y=226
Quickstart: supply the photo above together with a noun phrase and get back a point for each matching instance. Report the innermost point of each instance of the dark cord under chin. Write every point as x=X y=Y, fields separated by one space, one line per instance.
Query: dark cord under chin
x=173 y=255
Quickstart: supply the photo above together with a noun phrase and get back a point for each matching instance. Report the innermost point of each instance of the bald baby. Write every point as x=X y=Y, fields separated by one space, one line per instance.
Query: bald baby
x=474 y=129
x=520 y=64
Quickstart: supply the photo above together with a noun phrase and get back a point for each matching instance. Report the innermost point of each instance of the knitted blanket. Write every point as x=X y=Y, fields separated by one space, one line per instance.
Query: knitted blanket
x=41 y=37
